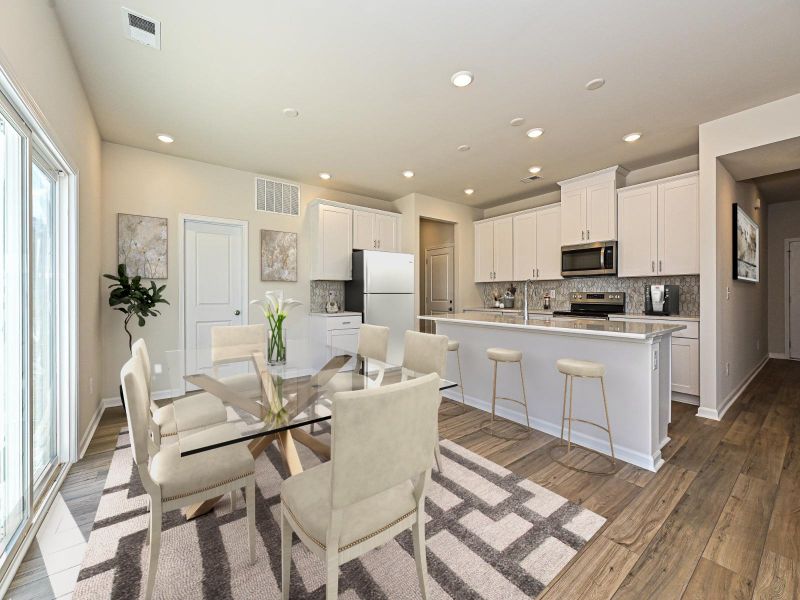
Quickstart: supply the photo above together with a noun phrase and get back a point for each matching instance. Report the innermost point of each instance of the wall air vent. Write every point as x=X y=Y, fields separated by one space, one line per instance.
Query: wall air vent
x=141 y=29
x=276 y=196
x=530 y=179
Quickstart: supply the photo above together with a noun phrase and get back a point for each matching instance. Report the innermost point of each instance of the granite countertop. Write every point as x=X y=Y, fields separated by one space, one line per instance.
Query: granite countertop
x=492 y=309
x=659 y=317
x=564 y=325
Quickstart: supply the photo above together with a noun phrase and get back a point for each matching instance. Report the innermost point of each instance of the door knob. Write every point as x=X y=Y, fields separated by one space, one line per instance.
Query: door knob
x=237 y=312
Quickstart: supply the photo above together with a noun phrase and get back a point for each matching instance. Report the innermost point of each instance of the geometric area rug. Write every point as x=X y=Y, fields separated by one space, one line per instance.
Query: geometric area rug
x=490 y=535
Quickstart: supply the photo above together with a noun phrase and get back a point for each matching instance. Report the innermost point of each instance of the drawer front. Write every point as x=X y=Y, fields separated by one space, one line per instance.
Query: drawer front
x=344 y=322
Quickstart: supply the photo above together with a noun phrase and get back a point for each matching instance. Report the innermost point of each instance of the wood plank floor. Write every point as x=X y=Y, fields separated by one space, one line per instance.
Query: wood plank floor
x=720 y=520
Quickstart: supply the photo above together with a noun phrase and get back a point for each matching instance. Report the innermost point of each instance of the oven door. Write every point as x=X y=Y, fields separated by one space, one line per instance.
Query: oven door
x=582 y=260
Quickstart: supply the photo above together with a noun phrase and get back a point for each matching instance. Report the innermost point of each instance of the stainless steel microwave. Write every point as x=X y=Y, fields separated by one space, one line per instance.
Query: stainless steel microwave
x=585 y=260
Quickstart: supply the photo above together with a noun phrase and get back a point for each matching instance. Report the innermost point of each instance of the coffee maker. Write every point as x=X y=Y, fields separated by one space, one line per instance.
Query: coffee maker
x=660 y=299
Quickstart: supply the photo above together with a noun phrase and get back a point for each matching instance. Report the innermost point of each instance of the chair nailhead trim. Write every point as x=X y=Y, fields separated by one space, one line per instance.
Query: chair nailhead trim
x=354 y=542
x=209 y=487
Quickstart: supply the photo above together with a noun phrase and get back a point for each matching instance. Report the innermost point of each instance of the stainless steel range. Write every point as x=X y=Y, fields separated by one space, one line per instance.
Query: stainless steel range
x=594 y=305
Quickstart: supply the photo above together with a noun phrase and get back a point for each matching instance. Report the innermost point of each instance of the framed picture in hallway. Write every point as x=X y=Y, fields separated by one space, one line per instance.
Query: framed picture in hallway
x=278 y=255
x=142 y=245
x=745 y=246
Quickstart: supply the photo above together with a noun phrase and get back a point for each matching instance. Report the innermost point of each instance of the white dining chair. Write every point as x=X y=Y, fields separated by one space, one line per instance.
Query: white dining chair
x=232 y=344
x=195 y=411
x=373 y=488
x=173 y=481
x=373 y=341
x=425 y=353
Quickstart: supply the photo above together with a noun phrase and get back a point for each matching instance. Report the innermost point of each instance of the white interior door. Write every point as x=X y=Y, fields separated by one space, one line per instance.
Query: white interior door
x=439 y=280
x=215 y=287
x=794 y=299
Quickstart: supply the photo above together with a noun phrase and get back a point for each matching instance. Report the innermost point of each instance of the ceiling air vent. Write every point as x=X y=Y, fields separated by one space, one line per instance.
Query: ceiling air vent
x=275 y=196
x=530 y=179
x=142 y=29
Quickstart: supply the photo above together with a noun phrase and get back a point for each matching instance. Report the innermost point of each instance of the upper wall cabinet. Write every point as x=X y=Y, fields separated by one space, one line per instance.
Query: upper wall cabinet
x=589 y=206
x=658 y=227
x=331 y=229
x=537 y=244
x=375 y=231
x=494 y=250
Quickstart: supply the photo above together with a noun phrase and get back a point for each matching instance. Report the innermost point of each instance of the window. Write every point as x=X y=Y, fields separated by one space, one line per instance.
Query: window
x=36 y=418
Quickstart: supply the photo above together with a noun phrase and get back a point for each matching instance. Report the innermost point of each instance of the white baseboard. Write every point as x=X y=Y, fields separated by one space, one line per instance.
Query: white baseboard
x=780 y=355
x=716 y=415
x=686 y=398
x=651 y=463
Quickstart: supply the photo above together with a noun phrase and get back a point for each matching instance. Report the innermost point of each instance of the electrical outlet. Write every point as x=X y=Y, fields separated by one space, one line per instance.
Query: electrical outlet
x=552 y=294
x=91 y=386
x=727 y=369
x=655 y=359
x=727 y=293
x=157 y=368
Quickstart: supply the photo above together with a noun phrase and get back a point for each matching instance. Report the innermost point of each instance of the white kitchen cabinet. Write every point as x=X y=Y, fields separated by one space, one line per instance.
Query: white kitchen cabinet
x=537 y=244
x=494 y=250
x=339 y=330
x=638 y=244
x=686 y=366
x=375 y=231
x=589 y=206
x=332 y=230
x=658 y=228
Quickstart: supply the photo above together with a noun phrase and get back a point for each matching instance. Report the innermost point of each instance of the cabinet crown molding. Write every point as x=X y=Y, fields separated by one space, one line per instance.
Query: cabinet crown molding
x=611 y=173
x=526 y=211
x=323 y=201
x=637 y=186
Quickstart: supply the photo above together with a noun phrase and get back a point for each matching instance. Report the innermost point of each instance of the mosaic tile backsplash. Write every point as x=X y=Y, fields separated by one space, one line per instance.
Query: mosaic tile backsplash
x=632 y=286
x=319 y=294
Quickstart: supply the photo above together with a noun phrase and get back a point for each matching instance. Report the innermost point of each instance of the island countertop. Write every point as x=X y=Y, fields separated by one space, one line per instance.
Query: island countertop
x=633 y=330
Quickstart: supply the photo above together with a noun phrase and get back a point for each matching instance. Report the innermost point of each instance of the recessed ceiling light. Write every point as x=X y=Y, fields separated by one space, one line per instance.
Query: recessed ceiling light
x=408 y=174
x=462 y=78
x=632 y=137
x=516 y=121
x=325 y=176
x=291 y=112
x=469 y=191
x=463 y=148
x=535 y=132
x=534 y=170
x=167 y=139
x=595 y=84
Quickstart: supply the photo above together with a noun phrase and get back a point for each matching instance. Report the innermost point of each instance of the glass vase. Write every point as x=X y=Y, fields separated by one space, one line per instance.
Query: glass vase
x=276 y=345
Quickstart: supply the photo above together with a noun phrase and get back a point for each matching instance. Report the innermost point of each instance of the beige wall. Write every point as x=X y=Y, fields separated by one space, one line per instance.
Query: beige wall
x=765 y=124
x=142 y=182
x=784 y=223
x=743 y=316
x=35 y=54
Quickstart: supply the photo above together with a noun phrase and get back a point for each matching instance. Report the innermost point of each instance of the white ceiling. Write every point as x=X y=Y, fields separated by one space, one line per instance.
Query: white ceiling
x=372 y=83
x=760 y=161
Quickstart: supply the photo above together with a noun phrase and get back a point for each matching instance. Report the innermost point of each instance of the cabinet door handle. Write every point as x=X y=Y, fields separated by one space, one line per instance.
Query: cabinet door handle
x=653 y=267
x=660 y=268
x=582 y=234
x=345 y=322
x=537 y=271
x=379 y=243
x=587 y=235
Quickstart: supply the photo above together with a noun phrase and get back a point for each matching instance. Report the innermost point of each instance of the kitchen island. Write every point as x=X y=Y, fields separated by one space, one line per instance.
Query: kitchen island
x=638 y=378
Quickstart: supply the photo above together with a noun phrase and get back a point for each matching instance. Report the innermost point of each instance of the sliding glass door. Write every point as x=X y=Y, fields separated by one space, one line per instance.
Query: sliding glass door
x=31 y=406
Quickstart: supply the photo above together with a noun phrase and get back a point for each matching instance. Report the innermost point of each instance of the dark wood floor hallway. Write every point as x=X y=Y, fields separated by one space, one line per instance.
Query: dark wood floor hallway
x=721 y=519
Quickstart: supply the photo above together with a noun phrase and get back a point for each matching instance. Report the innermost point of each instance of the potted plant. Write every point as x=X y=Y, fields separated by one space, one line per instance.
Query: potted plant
x=133 y=299
x=276 y=309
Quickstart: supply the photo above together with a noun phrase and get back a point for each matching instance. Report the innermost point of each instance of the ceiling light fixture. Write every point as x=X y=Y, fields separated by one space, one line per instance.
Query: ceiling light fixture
x=516 y=121
x=325 y=176
x=632 y=137
x=408 y=174
x=469 y=191
x=291 y=113
x=463 y=148
x=167 y=139
x=462 y=78
x=535 y=132
x=595 y=84
x=534 y=170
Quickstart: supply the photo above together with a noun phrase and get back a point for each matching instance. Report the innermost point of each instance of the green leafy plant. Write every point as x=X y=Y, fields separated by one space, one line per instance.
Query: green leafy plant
x=131 y=297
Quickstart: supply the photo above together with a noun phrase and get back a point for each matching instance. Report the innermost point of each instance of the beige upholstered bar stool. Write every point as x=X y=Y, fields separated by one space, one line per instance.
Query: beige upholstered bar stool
x=504 y=355
x=572 y=368
x=453 y=346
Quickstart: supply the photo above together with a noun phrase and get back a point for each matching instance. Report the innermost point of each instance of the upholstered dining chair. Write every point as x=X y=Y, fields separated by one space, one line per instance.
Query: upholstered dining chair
x=196 y=411
x=426 y=353
x=373 y=487
x=236 y=344
x=173 y=481
x=373 y=341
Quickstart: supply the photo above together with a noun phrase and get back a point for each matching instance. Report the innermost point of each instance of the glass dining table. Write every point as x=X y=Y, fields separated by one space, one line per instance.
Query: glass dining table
x=272 y=403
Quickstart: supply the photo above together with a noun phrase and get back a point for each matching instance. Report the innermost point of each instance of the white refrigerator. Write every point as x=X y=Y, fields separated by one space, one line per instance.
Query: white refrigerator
x=382 y=289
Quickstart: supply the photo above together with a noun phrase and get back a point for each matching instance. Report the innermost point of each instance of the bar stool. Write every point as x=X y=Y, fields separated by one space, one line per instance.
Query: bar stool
x=572 y=368
x=504 y=355
x=453 y=346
